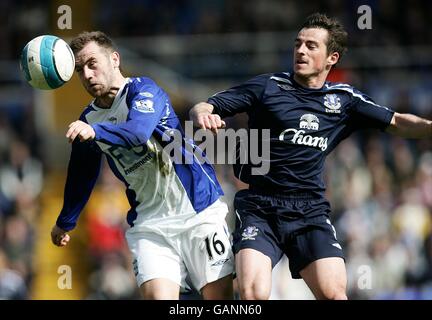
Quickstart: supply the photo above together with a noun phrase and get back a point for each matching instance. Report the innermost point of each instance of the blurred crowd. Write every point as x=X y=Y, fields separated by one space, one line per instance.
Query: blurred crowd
x=111 y=274
x=21 y=182
x=380 y=186
x=157 y=17
x=381 y=191
x=395 y=22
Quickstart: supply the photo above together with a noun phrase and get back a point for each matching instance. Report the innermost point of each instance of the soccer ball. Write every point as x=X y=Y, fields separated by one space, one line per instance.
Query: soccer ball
x=47 y=62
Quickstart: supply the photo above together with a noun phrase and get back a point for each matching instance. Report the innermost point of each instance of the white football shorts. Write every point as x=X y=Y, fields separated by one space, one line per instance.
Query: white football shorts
x=199 y=255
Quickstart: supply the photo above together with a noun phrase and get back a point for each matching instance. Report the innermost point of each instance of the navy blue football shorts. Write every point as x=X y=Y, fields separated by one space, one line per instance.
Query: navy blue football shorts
x=297 y=225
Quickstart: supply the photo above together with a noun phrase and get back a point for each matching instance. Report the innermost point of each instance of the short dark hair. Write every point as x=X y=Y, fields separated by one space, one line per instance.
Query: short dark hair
x=85 y=37
x=337 y=36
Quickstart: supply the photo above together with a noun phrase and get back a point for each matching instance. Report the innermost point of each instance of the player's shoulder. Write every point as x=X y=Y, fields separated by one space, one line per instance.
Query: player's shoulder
x=138 y=83
x=87 y=110
x=261 y=78
x=273 y=76
x=145 y=88
x=284 y=80
x=265 y=79
x=340 y=86
x=329 y=85
x=281 y=77
x=352 y=92
x=349 y=90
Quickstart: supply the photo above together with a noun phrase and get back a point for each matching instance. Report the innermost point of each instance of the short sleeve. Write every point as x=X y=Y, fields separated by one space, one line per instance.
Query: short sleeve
x=368 y=114
x=239 y=98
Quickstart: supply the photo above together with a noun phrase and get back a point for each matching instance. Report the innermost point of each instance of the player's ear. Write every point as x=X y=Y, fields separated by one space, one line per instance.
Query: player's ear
x=115 y=58
x=333 y=58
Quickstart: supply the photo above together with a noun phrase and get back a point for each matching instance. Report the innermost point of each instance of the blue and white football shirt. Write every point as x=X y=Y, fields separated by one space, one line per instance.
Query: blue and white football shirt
x=131 y=135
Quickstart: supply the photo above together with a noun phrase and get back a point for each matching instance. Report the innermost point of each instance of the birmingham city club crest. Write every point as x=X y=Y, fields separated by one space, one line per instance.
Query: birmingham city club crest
x=332 y=103
x=250 y=233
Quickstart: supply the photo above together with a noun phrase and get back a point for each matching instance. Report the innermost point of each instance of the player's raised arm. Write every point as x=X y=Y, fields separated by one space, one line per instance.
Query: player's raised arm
x=147 y=104
x=227 y=103
x=202 y=117
x=410 y=126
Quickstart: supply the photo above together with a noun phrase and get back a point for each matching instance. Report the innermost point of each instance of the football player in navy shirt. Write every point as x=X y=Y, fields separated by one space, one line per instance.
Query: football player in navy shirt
x=285 y=211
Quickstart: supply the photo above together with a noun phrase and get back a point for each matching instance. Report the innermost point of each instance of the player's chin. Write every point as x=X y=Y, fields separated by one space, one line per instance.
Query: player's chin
x=300 y=70
x=95 y=91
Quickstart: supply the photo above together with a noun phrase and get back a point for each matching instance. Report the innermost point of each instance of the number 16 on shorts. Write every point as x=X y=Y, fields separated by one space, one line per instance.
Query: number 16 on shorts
x=215 y=247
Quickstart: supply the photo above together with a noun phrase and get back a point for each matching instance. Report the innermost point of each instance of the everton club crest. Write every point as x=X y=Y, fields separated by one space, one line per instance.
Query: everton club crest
x=250 y=233
x=332 y=103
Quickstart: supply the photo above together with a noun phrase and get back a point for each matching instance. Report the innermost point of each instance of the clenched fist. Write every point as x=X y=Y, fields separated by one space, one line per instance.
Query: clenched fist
x=59 y=237
x=80 y=129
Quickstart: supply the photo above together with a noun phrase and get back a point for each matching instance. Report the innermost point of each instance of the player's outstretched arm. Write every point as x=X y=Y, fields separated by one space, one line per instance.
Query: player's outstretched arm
x=410 y=126
x=59 y=237
x=202 y=117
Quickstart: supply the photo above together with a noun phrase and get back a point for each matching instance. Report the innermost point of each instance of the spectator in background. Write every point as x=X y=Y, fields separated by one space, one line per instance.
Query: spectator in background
x=12 y=284
x=22 y=175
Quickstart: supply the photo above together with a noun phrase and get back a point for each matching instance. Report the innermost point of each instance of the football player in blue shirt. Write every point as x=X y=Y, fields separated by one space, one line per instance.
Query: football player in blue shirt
x=285 y=211
x=178 y=235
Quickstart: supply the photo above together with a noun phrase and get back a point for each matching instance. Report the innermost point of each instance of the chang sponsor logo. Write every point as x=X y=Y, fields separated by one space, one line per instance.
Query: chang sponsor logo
x=299 y=137
x=307 y=122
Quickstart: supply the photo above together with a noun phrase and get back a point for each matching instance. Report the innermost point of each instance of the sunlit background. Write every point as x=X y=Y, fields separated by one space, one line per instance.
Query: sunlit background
x=380 y=186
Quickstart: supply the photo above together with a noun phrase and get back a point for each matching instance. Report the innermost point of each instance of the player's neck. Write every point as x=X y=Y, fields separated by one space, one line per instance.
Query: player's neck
x=311 y=82
x=107 y=99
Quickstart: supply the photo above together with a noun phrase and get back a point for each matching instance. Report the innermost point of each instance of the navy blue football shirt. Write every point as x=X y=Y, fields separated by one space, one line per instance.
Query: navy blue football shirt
x=305 y=125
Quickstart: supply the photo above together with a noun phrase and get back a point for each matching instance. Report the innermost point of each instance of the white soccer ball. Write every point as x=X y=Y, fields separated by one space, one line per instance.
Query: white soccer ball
x=47 y=62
